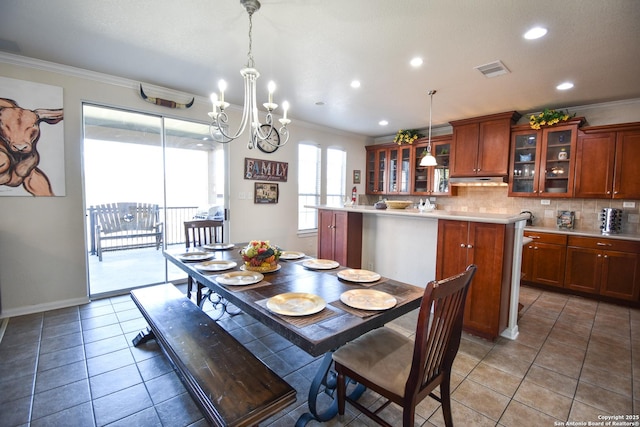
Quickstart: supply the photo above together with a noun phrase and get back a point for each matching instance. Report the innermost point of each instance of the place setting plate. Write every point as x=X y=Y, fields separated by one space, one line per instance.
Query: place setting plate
x=240 y=278
x=219 y=246
x=289 y=255
x=215 y=265
x=296 y=304
x=320 y=264
x=195 y=256
x=368 y=299
x=358 y=276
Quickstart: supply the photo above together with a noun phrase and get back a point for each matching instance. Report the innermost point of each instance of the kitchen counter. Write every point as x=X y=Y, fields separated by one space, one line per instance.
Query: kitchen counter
x=437 y=214
x=402 y=244
x=584 y=233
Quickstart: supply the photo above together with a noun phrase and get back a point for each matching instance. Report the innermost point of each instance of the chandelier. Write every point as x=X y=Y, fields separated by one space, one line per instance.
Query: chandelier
x=259 y=133
x=428 y=159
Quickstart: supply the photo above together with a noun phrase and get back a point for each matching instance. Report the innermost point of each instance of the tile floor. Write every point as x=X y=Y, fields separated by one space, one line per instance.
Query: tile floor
x=575 y=359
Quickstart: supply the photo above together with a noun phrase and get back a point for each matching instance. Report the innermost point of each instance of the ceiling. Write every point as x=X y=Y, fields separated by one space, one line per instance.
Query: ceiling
x=313 y=49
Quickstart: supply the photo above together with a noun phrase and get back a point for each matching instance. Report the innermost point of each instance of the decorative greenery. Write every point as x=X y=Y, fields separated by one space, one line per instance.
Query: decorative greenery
x=548 y=118
x=406 y=136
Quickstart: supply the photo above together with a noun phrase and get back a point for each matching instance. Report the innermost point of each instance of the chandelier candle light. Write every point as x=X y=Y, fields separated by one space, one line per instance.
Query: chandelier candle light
x=259 y=132
x=428 y=159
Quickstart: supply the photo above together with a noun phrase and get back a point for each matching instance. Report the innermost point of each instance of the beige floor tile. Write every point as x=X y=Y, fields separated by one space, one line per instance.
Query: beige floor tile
x=608 y=401
x=607 y=380
x=541 y=311
x=612 y=359
x=552 y=380
x=495 y=379
x=474 y=348
x=518 y=415
x=543 y=400
x=581 y=412
x=603 y=336
x=507 y=363
x=481 y=399
x=514 y=349
x=464 y=364
x=581 y=329
x=462 y=416
x=565 y=364
x=569 y=338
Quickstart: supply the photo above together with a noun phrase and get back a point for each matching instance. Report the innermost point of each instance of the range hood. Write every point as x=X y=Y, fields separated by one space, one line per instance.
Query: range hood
x=479 y=181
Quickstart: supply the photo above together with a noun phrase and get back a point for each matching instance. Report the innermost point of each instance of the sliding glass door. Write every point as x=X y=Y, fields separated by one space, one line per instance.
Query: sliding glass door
x=136 y=165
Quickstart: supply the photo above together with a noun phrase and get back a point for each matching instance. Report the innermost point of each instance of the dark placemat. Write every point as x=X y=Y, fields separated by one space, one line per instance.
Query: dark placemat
x=302 y=321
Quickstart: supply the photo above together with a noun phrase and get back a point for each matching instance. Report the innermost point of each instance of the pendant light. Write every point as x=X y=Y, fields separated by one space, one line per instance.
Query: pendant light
x=428 y=159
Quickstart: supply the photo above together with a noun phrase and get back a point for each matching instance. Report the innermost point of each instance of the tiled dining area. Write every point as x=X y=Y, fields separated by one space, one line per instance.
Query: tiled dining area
x=575 y=359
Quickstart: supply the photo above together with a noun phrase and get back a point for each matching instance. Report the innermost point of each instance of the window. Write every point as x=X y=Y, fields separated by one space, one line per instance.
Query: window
x=308 y=186
x=336 y=170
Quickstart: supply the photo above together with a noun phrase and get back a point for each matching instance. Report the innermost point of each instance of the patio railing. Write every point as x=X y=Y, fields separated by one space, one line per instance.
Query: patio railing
x=175 y=216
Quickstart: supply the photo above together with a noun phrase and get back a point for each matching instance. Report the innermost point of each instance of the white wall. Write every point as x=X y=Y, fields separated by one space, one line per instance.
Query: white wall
x=43 y=263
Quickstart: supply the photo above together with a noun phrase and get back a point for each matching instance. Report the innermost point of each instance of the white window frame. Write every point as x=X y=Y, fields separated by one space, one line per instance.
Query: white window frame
x=307 y=195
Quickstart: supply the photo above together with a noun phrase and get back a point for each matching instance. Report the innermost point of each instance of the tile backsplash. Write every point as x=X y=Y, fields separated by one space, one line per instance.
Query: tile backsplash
x=495 y=200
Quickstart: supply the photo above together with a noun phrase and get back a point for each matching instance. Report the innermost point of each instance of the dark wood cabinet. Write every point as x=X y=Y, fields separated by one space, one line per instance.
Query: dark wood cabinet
x=601 y=266
x=543 y=259
x=340 y=237
x=400 y=169
x=480 y=146
x=607 y=162
x=490 y=247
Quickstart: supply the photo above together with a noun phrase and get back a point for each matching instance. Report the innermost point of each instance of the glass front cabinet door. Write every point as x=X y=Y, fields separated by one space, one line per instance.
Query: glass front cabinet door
x=400 y=164
x=432 y=180
x=542 y=161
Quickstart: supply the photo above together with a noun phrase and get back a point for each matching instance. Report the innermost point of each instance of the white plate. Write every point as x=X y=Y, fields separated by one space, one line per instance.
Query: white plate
x=215 y=265
x=359 y=276
x=195 y=256
x=219 y=246
x=296 y=304
x=291 y=255
x=320 y=264
x=278 y=267
x=240 y=278
x=368 y=299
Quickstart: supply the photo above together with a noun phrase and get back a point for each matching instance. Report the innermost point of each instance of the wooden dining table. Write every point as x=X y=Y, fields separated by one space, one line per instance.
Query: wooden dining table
x=319 y=333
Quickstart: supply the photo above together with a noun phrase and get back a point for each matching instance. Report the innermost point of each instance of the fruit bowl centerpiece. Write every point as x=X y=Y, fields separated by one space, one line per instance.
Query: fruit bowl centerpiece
x=260 y=256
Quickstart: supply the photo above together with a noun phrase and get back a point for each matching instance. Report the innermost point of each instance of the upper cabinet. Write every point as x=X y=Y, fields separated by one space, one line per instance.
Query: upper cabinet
x=480 y=146
x=376 y=172
x=433 y=180
x=607 y=162
x=543 y=161
x=400 y=165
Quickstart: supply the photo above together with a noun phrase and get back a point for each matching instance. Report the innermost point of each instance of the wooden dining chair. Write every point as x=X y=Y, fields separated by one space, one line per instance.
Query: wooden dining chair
x=198 y=233
x=404 y=371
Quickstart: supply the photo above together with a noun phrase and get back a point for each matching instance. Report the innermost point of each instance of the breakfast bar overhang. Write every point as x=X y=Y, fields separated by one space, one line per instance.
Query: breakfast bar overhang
x=406 y=245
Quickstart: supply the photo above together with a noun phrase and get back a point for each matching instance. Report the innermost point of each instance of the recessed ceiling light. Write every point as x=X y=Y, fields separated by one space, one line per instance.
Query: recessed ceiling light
x=320 y=103
x=535 y=33
x=383 y=123
x=416 y=62
x=355 y=84
x=564 y=86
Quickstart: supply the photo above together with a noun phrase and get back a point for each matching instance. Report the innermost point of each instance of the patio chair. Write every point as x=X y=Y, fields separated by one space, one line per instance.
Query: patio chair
x=402 y=371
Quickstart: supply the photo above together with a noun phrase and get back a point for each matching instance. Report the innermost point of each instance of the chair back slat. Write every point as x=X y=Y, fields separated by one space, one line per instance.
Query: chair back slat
x=439 y=329
x=203 y=232
x=126 y=216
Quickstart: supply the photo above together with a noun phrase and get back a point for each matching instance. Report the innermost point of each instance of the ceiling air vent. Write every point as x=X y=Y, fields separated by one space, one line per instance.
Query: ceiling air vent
x=493 y=69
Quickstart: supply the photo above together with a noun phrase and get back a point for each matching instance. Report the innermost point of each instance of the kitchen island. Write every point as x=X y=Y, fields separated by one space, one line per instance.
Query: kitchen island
x=416 y=247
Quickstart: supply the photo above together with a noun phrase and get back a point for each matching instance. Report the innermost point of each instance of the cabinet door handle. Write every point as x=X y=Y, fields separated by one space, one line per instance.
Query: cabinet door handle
x=599 y=256
x=469 y=246
x=603 y=244
x=462 y=245
x=606 y=256
x=536 y=248
x=608 y=192
x=534 y=237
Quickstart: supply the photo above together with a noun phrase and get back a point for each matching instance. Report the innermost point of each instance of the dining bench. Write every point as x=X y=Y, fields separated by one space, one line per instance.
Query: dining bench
x=230 y=385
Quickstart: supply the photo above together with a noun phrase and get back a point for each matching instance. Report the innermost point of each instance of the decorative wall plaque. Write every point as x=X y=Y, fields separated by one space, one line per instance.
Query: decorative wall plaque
x=265 y=170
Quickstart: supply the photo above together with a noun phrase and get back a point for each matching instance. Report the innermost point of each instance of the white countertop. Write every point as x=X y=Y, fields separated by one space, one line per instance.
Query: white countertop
x=584 y=233
x=437 y=214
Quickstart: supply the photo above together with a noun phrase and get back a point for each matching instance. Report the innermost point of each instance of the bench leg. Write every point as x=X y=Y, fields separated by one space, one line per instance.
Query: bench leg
x=144 y=336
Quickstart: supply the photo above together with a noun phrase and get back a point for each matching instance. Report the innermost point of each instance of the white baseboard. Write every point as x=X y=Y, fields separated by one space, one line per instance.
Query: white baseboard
x=38 y=308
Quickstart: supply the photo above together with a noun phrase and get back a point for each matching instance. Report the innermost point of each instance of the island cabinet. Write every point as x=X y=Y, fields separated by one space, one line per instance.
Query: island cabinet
x=432 y=180
x=490 y=247
x=543 y=161
x=606 y=267
x=607 y=165
x=543 y=260
x=480 y=146
x=340 y=237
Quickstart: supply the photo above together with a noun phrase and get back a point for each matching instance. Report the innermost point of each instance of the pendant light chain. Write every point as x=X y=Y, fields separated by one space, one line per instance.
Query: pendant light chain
x=250 y=62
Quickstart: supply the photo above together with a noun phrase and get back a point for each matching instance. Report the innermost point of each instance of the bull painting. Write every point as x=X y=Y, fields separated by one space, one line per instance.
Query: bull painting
x=19 y=135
